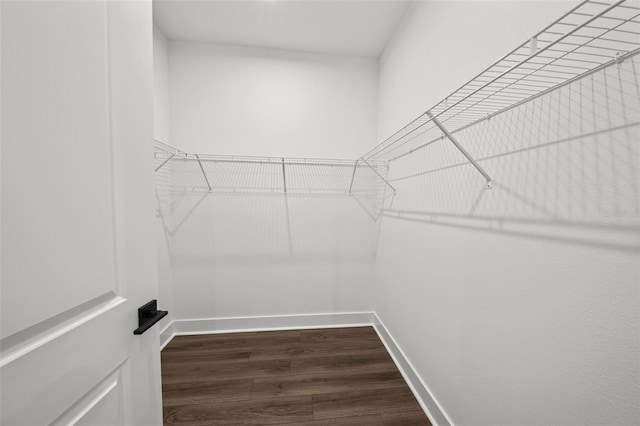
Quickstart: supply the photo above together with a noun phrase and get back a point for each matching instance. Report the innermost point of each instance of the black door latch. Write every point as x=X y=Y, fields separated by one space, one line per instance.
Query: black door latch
x=148 y=315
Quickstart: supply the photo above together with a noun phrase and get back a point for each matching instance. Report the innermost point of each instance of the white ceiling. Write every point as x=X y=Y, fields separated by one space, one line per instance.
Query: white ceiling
x=345 y=27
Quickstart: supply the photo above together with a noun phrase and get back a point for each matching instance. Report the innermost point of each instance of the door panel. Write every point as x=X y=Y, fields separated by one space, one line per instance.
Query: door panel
x=78 y=250
x=56 y=192
x=44 y=383
x=32 y=338
x=101 y=406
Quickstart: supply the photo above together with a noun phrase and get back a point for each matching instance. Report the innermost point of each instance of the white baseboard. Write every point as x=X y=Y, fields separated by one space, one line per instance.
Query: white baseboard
x=166 y=335
x=422 y=393
x=272 y=322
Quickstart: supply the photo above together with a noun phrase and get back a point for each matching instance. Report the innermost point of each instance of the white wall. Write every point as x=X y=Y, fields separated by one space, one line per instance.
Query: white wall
x=250 y=255
x=161 y=126
x=254 y=101
x=239 y=255
x=160 y=85
x=517 y=305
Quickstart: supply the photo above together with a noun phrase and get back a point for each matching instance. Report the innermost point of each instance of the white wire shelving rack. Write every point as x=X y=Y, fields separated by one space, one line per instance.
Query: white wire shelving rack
x=590 y=37
x=253 y=174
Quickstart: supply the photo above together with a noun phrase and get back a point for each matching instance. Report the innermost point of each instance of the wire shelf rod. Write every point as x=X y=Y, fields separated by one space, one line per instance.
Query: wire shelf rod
x=514 y=51
x=485 y=117
x=565 y=83
x=165 y=162
x=461 y=149
x=558 y=56
x=476 y=108
x=499 y=90
x=345 y=164
x=593 y=71
x=353 y=176
x=284 y=177
x=265 y=175
x=203 y=173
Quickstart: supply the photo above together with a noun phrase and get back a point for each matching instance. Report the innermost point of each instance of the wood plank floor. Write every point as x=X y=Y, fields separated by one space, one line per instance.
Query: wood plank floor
x=337 y=376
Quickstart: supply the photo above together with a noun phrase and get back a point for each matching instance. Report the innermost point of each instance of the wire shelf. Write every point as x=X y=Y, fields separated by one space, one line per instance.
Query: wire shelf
x=179 y=171
x=590 y=37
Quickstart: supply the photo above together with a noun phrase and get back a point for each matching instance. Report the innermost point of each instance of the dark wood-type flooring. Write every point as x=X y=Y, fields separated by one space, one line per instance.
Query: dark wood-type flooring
x=338 y=376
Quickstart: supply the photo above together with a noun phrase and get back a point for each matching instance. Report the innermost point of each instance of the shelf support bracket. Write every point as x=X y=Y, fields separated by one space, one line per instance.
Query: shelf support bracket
x=353 y=176
x=379 y=175
x=203 y=173
x=461 y=149
x=164 y=162
x=284 y=177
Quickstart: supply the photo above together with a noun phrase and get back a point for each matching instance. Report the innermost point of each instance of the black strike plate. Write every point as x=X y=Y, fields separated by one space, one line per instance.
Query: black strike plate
x=148 y=315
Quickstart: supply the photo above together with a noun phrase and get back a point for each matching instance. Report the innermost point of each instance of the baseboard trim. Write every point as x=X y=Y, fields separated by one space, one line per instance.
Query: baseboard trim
x=166 y=335
x=269 y=323
x=186 y=327
x=423 y=394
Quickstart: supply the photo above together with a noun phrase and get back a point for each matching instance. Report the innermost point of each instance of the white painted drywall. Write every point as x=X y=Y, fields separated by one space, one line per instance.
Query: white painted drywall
x=253 y=101
x=160 y=85
x=270 y=254
x=250 y=255
x=353 y=28
x=517 y=305
x=161 y=126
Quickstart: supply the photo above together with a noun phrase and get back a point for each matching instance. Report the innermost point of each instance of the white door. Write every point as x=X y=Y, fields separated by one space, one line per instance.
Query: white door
x=78 y=251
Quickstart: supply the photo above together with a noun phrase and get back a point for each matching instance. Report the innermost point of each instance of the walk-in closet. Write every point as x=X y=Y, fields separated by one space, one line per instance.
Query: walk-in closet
x=320 y=212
